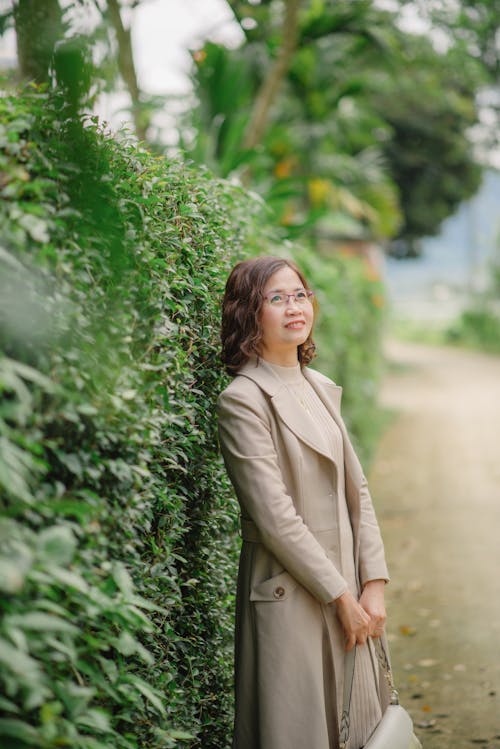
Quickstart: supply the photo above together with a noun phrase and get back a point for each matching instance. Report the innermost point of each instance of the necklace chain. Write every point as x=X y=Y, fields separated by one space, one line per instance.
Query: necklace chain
x=299 y=394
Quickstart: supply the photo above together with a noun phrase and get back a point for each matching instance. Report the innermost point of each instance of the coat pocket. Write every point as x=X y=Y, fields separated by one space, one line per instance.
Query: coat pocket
x=275 y=589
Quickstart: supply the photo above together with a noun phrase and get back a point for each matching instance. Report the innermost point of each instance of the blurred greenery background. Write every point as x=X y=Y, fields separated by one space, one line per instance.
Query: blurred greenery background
x=328 y=132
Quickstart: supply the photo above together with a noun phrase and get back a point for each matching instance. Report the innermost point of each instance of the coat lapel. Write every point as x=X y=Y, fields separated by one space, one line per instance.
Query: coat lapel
x=291 y=413
x=330 y=394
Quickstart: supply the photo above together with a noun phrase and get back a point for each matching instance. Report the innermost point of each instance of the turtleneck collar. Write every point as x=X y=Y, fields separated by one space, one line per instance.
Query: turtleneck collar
x=290 y=375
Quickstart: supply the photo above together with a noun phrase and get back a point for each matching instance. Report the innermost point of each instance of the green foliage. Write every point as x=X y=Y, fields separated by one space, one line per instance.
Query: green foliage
x=224 y=84
x=369 y=133
x=473 y=24
x=303 y=146
x=479 y=325
x=117 y=527
x=429 y=154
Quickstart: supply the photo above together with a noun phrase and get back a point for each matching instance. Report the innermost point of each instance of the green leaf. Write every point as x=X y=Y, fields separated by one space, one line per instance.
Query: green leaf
x=145 y=689
x=72 y=462
x=143 y=603
x=122 y=579
x=180 y=735
x=96 y=719
x=17 y=729
x=128 y=645
x=75 y=698
x=16 y=467
x=87 y=409
x=77 y=508
x=18 y=662
x=57 y=544
x=71 y=579
x=10 y=368
x=14 y=568
x=37 y=228
x=8 y=706
x=39 y=622
x=11 y=576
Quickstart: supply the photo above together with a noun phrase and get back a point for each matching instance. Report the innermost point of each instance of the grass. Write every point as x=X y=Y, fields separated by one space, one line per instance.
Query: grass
x=420 y=331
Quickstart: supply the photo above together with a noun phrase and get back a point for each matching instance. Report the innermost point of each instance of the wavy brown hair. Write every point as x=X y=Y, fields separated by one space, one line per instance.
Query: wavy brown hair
x=241 y=331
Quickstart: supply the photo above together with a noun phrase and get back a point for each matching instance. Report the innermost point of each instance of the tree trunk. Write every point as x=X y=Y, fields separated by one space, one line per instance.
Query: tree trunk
x=270 y=86
x=38 y=26
x=127 y=68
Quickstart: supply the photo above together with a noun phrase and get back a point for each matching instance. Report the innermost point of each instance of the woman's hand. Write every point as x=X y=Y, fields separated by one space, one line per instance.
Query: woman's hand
x=372 y=602
x=354 y=620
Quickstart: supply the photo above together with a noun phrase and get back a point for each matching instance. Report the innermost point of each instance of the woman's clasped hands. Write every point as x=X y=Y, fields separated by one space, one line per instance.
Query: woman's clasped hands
x=364 y=618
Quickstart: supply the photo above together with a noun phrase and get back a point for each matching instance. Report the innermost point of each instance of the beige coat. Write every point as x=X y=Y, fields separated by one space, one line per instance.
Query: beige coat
x=288 y=640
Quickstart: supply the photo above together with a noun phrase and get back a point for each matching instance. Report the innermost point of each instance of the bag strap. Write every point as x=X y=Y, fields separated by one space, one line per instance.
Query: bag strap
x=386 y=669
x=349 y=664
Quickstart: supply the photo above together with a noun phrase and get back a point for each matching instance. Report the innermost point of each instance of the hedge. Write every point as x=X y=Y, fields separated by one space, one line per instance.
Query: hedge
x=117 y=530
x=118 y=539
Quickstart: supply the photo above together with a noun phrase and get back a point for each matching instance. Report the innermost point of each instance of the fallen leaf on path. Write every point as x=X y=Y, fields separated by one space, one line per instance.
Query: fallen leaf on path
x=426 y=723
x=407 y=631
x=427 y=662
x=424 y=612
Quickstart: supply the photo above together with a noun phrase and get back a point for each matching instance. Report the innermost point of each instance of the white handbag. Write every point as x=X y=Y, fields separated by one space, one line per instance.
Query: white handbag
x=395 y=730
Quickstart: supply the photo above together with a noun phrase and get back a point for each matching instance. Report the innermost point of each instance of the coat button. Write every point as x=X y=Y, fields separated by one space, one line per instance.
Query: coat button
x=279 y=592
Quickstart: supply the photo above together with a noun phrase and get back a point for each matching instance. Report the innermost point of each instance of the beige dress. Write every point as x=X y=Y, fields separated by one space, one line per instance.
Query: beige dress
x=365 y=701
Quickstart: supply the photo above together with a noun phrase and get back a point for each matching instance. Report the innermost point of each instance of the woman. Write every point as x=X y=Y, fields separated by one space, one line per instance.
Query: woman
x=312 y=568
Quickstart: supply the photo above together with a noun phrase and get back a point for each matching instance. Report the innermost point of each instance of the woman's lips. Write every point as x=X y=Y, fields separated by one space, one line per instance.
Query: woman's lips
x=295 y=324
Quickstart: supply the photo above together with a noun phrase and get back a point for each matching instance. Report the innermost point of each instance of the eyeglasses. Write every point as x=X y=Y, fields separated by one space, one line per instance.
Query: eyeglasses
x=281 y=300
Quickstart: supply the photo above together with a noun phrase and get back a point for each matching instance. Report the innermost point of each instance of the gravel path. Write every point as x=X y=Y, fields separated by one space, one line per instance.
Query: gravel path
x=436 y=485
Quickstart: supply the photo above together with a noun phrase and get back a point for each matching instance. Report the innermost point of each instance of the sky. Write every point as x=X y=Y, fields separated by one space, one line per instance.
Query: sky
x=163 y=32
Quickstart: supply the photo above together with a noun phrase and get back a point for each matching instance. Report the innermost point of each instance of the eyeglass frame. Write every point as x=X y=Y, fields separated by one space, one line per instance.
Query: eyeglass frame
x=308 y=298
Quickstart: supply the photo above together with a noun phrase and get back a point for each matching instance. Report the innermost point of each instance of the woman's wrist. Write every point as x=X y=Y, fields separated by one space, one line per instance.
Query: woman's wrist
x=378 y=583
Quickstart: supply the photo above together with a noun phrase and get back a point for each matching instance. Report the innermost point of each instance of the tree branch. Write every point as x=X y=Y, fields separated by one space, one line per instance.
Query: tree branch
x=270 y=86
x=127 y=68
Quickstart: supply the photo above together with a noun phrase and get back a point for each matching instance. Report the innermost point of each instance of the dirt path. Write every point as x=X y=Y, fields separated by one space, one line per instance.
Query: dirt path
x=436 y=486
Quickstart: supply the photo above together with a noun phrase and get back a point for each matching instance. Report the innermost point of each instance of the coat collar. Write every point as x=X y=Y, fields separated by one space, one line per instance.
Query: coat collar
x=295 y=417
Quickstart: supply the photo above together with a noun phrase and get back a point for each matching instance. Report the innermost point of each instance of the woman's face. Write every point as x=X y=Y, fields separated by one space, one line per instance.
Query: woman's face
x=284 y=327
